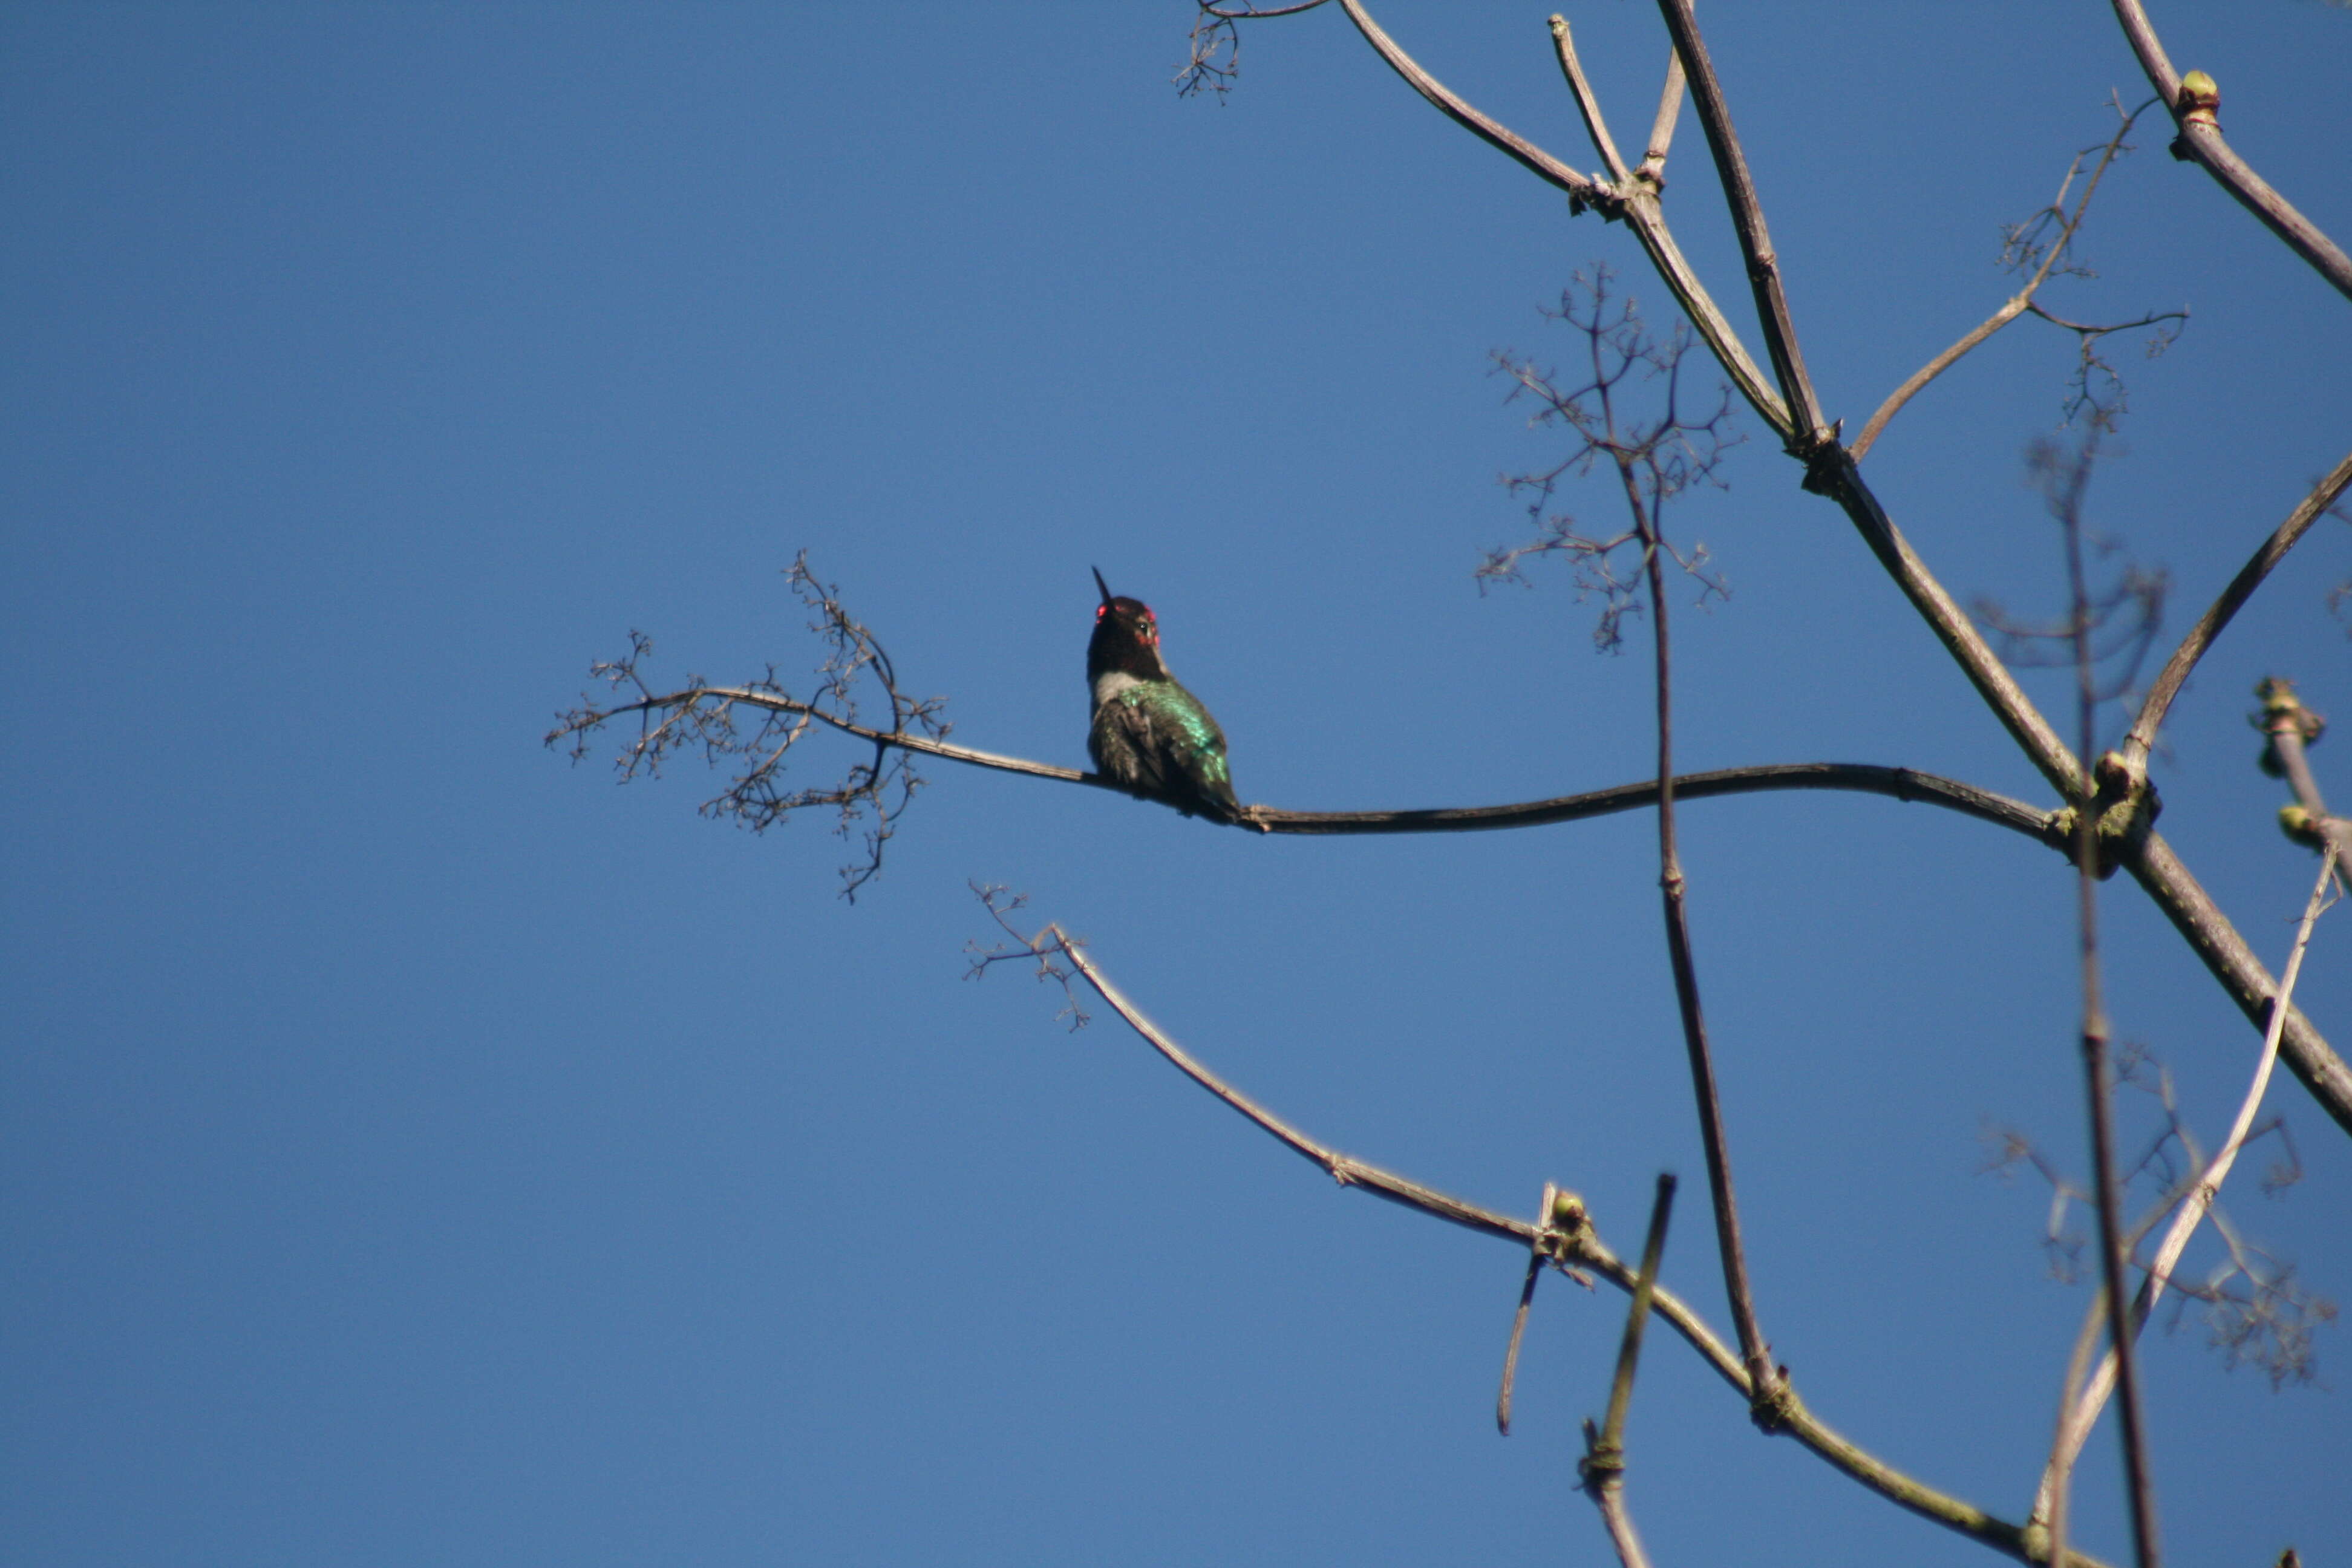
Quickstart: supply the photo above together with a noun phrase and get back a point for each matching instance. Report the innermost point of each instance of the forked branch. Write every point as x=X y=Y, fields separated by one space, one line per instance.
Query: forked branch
x=1830 y=471
x=1637 y=207
x=2054 y=249
x=1574 y=1241
x=1597 y=126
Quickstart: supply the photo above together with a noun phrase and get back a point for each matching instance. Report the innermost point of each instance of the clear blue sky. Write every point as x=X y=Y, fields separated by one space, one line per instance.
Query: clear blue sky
x=415 y=1150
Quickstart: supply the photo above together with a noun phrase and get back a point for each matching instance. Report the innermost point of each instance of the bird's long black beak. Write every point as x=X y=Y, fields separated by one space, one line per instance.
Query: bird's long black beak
x=1100 y=584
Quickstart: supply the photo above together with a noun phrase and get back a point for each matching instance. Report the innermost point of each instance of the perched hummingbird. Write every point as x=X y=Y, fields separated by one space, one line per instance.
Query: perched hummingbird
x=1150 y=734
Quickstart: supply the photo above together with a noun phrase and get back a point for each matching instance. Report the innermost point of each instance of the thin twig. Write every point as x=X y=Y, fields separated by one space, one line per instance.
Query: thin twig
x=2226 y=956
x=2083 y=1409
x=1537 y=1258
x=2017 y=304
x=1653 y=171
x=2291 y=726
x=1619 y=1521
x=1343 y=1169
x=2140 y=1484
x=2200 y=138
x=1223 y=13
x=1672 y=890
x=1629 y=1351
x=1582 y=1247
x=1517 y=148
x=1747 y=219
x=2054 y=1477
x=1604 y=1464
x=2010 y=310
x=1585 y=103
x=2169 y=680
x=1638 y=206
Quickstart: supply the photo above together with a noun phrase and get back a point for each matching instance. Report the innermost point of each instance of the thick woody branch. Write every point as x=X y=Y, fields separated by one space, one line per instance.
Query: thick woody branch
x=2149 y=858
x=2169 y=680
x=1582 y=1246
x=1833 y=473
x=1748 y=218
x=2201 y=141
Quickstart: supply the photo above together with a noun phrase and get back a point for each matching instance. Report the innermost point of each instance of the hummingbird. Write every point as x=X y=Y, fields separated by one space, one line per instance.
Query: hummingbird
x=1150 y=735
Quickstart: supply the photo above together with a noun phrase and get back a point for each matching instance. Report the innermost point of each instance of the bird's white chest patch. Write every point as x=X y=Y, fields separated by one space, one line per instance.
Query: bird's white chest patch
x=1110 y=683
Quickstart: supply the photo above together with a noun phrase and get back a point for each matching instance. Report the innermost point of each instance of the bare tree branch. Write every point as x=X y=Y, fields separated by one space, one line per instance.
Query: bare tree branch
x=1649 y=463
x=1216 y=33
x=1747 y=219
x=755 y=797
x=2053 y=253
x=2169 y=680
x=2195 y=1201
x=2053 y=1520
x=2291 y=727
x=1653 y=171
x=2193 y=101
x=2227 y=957
x=1907 y=785
x=1512 y=145
x=2066 y=487
x=1639 y=207
x=2149 y=858
x=1585 y=103
x=1830 y=471
x=1604 y=1464
x=2050 y=827
x=1537 y=1256
x=1573 y=1241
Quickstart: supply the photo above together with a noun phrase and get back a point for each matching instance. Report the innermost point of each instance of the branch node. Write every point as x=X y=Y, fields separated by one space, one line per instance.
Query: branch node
x=1774 y=1406
x=1564 y=1226
x=2301 y=827
x=2282 y=707
x=2199 y=98
x=1602 y=1461
x=1823 y=453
